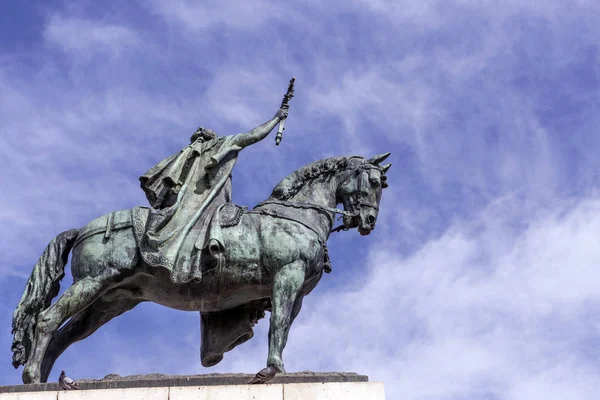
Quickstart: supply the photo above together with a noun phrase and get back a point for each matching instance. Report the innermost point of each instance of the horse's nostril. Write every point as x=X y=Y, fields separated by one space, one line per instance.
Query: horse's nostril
x=371 y=219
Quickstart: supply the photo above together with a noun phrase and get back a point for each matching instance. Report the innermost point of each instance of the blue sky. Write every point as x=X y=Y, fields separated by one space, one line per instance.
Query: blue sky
x=480 y=281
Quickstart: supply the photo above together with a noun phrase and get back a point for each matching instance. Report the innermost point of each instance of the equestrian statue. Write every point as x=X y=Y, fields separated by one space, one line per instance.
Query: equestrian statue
x=195 y=250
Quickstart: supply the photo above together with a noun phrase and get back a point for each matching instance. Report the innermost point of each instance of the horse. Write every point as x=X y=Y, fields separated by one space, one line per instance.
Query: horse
x=268 y=259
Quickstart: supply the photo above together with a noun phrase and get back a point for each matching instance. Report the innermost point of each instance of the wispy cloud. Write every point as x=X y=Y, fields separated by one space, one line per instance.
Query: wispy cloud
x=83 y=36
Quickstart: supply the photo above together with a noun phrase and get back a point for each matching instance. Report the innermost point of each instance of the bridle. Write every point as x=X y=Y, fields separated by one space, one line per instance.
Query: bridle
x=356 y=198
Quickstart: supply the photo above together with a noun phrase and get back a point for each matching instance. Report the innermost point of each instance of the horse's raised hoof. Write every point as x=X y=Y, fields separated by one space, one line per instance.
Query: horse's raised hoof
x=264 y=375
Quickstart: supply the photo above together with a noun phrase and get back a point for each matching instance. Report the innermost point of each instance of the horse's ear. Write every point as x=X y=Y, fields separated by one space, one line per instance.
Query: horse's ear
x=386 y=167
x=379 y=158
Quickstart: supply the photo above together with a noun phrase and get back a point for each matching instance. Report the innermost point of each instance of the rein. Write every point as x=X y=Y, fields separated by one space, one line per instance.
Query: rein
x=318 y=207
x=297 y=204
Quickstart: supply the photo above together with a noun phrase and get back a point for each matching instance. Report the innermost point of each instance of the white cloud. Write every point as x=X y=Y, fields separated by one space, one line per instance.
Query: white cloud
x=83 y=36
x=483 y=308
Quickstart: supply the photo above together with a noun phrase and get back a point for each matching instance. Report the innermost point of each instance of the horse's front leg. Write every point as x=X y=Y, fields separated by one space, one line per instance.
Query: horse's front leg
x=286 y=286
x=285 y=305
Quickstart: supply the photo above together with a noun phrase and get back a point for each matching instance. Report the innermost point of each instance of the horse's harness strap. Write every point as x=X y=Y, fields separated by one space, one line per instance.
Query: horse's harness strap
x=275 y=214
x=304 y=206
x=109 y=225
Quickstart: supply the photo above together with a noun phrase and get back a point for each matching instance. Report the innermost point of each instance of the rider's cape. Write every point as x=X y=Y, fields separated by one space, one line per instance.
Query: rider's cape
x=184 y=190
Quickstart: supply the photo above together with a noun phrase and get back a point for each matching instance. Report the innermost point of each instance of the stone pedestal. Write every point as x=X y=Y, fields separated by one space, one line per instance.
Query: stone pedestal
x=300 y=386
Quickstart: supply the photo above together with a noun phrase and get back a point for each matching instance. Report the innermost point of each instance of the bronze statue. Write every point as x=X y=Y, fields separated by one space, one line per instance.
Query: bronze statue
x=194 y=250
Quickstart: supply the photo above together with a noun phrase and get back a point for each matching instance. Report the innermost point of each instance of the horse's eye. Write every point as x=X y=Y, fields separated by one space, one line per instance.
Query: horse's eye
x=374 y=182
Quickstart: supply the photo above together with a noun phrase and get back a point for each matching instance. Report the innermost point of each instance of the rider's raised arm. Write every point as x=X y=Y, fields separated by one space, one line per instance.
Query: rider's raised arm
x=260 y=132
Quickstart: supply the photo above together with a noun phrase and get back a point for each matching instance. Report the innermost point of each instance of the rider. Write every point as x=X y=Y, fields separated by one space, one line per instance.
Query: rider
x=184 y=190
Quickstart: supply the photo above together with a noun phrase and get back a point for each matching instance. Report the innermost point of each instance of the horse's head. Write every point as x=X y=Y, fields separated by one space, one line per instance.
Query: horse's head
x=360 y=191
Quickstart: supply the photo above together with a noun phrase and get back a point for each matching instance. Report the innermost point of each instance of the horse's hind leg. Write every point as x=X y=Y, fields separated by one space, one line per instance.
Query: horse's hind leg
x=76 y=298
x=85 y=323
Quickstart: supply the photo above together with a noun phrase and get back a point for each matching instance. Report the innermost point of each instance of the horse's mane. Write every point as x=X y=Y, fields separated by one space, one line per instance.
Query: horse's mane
x=292 y=184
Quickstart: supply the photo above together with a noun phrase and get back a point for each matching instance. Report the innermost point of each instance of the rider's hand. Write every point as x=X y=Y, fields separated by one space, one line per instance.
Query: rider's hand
x=281 y=114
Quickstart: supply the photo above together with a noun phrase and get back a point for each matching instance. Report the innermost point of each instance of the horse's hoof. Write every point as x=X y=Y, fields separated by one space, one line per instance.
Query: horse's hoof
x=264 y=375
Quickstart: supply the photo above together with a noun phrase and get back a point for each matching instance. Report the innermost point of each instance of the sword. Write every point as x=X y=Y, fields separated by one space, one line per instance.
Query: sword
x=285 y=106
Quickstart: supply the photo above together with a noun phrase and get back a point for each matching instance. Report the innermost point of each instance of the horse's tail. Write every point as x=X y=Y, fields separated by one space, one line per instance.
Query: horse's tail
x=43 y=285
